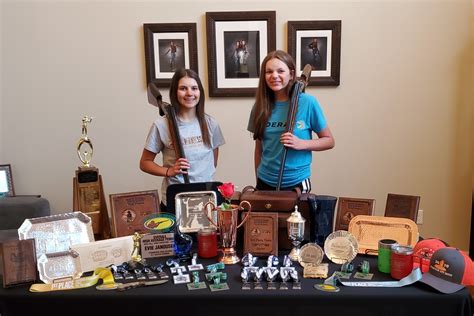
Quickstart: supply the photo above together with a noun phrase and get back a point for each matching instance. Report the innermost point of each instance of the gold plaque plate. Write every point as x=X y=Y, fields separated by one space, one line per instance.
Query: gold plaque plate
x=341 y=247
x=368 y=230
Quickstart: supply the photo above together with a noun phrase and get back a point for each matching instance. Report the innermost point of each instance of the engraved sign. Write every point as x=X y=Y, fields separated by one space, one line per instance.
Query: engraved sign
x=261 y=234
x=405 y=206
x=157 y=245
x=129 y=211
x=19 y=262
x=348 y=208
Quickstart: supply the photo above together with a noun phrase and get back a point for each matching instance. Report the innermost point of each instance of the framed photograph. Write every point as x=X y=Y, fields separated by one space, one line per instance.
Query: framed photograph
x=348 y=208
x=129 y=211
x=168 y=47
x=237 y=42
x=6 y=181
x=190 y=213
x=317 y=43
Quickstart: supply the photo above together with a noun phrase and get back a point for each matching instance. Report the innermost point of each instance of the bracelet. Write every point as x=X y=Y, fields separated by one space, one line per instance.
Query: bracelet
x=166 y=174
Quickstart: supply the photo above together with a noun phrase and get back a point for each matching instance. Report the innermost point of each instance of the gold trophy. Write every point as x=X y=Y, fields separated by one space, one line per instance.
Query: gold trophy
x=227 y=224
x=88 y=193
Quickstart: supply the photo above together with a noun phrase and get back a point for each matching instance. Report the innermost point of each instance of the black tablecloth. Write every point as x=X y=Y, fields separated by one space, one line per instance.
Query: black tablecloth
x=417 y=299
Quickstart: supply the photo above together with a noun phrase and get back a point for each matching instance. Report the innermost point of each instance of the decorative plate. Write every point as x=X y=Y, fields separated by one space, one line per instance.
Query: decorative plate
x=59 y=265
x=311 y=253
x=341 y=247
x=368 y=230
x=190 y=214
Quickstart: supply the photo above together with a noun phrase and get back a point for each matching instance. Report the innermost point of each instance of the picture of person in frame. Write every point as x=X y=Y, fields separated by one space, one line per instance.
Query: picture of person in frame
x=171 y=54
x=314 y=52
x=241 y=54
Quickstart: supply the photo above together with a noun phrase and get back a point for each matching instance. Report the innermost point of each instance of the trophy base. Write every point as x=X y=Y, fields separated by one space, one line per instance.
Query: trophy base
x=228 y=256
x=294 y=254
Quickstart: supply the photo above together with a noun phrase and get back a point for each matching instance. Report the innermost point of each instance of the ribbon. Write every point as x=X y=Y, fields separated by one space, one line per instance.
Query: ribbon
x=413 y=277
x=103 y=274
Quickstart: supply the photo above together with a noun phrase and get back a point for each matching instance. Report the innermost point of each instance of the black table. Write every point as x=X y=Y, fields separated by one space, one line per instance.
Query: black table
x=417 y=299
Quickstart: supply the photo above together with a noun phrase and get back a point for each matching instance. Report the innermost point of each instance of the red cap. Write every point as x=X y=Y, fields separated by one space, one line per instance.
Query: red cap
x=450 y=269
x=426 y=247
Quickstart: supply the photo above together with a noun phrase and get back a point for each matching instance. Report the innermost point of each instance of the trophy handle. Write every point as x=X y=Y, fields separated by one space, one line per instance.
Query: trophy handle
x=248 y=213
x=207 y=213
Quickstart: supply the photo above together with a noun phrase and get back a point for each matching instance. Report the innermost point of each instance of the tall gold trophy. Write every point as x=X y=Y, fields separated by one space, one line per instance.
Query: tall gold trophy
x=88 y=195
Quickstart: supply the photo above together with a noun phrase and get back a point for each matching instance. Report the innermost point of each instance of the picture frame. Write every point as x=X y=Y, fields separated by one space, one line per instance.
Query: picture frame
x=168 y=47
x=6 y=180
x=317 y=43
x=129 y=211
x=350 y=207
x=401 y=205
x=237 y=42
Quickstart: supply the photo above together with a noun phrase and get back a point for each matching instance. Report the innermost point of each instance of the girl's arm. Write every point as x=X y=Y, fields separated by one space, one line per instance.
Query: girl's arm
x=148 y=165
x=257 y=155
x=216 y=156
x=324 y=141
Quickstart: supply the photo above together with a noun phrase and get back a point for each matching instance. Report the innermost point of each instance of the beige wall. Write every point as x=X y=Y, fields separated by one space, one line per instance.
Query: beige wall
x=401 y=117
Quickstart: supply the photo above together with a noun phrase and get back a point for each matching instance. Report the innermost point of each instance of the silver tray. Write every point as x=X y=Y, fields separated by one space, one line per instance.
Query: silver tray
x=311 y=253
x=56 y=233
x=190 y=210
x=59 y=265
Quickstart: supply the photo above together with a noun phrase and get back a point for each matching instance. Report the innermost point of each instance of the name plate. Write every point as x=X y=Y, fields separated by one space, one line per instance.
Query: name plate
x=104 y=252
x=261 y=234
x=19 y=262
x=157 y=245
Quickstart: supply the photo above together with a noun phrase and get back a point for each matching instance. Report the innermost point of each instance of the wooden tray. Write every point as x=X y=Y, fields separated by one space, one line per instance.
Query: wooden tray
x=368 y=230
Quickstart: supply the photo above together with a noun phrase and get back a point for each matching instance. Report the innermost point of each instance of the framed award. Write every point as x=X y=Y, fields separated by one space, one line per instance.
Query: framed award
x=261 y=234
x=129 y=211
x=348 y=208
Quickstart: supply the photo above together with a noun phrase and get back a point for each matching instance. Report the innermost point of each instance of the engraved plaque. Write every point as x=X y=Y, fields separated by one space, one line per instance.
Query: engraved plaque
x=190 y=210
x=157 y=245
x=129 y=211
x=19 y=262
x=57 y=232
x=405 y=206
x=103 y=253
x=261 y=234
x=348 y=208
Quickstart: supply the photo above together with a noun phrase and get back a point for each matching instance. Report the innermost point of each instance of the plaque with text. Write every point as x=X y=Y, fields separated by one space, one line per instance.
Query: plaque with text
x=157 y=245
x=261 y=234
x=129 y=211
x=348 y=208
x=19 y=262
x=405 y=206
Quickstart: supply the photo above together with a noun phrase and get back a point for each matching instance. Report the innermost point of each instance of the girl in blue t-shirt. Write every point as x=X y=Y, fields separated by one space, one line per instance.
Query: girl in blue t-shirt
x=267 y=122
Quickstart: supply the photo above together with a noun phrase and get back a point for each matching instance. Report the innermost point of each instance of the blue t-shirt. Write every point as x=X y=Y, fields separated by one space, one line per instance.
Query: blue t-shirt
x=309 y=119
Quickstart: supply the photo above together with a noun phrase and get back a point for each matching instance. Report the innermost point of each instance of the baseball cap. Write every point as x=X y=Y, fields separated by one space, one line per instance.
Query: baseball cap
x=426 y=247
x=450 y=270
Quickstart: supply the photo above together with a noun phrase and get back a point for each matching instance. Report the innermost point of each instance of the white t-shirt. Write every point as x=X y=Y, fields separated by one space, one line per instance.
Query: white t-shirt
x=200 y=157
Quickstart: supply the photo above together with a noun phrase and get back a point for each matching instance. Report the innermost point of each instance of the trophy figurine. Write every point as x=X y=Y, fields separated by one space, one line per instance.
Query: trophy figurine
x=136 y=252
x=295 y=224
x=88 y=193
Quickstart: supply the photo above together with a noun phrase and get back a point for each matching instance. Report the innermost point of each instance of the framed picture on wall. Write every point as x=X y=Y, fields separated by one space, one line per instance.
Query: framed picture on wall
x=168 y=47
x=6 y=180
x=317 y=43
x=237 y=42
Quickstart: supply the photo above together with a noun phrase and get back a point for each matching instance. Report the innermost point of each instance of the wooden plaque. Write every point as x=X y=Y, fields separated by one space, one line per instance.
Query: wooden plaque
x=261 y=234
x=19 y=262
x=405 y=206
x=129 y=211
x=348 y=208
x=89 y=198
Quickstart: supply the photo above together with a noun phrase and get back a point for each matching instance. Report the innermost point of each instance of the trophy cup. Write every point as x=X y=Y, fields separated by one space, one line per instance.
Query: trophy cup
x=88 y=193
x=227 y=225
x=295 y=224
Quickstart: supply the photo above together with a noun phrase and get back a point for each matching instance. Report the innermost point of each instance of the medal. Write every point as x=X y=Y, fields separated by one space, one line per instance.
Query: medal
x=326 y=288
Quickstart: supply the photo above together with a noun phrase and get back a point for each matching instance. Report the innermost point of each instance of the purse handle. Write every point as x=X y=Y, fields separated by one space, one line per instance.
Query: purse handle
x=253 y=189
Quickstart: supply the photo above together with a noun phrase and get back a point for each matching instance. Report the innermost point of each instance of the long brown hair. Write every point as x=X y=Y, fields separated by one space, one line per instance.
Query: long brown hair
x=201 y=115
x=265 y=97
